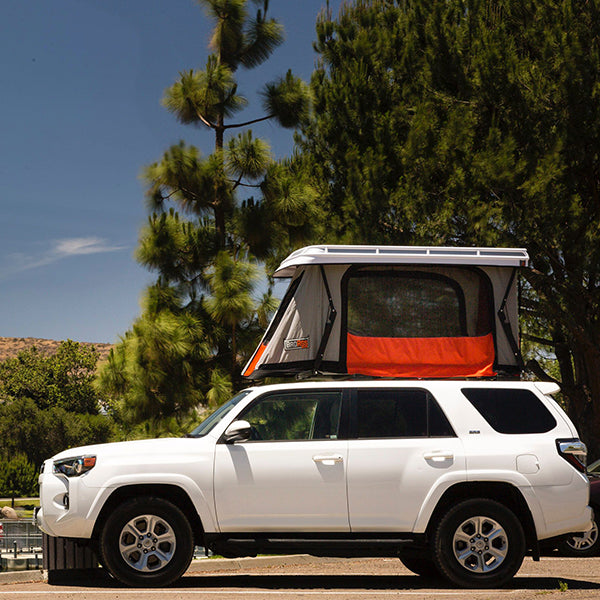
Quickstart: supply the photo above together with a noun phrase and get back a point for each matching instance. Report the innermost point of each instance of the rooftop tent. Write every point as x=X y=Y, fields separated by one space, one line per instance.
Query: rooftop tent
x=395 y=311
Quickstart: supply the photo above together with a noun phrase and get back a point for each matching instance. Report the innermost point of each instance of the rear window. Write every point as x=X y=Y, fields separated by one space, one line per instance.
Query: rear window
x=511 y=411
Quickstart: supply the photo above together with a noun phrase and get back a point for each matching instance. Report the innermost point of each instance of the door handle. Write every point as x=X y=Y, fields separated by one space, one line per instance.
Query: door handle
x=328 y=460
x=439 y=455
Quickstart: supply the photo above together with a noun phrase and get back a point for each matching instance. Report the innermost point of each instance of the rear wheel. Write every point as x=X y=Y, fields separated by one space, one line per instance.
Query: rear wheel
x=479 y=543
x=147 y=542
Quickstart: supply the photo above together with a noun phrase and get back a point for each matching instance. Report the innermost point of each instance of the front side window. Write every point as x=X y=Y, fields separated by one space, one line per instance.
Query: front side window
x=296 y=416
x=399 y=413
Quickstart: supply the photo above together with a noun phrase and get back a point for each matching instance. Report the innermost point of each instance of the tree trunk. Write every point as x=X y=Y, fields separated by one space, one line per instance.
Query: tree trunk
x=581 y=385
x=219 y=204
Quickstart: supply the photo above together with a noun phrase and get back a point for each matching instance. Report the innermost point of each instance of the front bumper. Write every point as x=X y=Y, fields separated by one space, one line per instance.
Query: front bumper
x=64 y=505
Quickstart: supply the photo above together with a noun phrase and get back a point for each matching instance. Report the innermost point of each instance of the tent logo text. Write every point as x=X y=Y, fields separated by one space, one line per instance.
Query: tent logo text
x=298 y=344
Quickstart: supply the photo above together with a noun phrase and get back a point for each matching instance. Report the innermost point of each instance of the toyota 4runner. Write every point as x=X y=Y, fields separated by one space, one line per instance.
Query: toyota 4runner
x=457 y=478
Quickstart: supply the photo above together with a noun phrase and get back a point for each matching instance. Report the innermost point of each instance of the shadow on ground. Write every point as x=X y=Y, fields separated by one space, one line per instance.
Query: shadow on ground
x=101 y=579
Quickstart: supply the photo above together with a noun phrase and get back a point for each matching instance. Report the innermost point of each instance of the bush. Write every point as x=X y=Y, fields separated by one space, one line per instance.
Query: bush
x=18 y=477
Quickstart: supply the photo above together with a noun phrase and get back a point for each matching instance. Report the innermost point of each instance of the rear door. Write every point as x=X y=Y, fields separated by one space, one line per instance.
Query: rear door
x=402 y=446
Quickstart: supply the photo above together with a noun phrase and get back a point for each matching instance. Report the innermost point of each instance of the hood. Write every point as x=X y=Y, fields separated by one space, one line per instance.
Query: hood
x=136 y=448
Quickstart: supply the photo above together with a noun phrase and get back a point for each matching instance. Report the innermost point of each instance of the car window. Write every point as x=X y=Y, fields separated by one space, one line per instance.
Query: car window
x=296 y=416
x=210 y=422
x=510 y=410
x=399 y=413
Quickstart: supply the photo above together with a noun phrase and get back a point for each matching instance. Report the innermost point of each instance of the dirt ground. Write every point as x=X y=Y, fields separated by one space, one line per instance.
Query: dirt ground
x=291 y=578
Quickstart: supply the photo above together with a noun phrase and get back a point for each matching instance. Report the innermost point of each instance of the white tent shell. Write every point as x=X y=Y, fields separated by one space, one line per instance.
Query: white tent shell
x=318 y=329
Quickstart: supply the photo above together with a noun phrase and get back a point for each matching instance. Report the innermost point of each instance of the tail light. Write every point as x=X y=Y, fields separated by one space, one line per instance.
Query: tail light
x=574 y=451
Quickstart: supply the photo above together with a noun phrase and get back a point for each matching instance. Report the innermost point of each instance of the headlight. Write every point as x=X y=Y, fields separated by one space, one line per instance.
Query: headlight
x=76 y=466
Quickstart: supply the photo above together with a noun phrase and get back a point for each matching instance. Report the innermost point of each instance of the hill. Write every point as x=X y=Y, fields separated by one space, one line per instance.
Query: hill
x=10 y=346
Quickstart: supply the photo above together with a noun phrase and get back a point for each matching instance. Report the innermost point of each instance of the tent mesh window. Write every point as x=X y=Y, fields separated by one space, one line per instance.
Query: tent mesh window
x=400 y=303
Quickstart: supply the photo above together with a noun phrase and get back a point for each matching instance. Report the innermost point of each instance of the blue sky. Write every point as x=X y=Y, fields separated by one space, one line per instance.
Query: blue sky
x=81 y=115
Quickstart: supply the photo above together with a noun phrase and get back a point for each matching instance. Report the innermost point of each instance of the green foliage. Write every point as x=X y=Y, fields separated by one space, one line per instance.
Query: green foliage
x=472 y=123
x=63 y=379
x=221 y=389
x=47 y=404
x=18 y=477
x=40 y=433
x=287 y=99
x=154 y=370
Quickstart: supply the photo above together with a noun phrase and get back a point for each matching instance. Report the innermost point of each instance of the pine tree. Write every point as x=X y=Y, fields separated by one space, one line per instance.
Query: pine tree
x=475 y=123
x=212 y=219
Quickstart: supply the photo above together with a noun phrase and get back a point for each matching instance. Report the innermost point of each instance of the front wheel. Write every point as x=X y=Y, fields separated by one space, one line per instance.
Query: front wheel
x=479 y=543
x=147 y=542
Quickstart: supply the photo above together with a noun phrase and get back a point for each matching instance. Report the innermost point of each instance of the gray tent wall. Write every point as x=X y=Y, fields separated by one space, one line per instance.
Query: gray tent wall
x=300 y=340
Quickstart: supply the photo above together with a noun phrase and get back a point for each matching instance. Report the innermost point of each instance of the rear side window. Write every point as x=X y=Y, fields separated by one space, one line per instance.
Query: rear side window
x=510 y=410
x=399 y=413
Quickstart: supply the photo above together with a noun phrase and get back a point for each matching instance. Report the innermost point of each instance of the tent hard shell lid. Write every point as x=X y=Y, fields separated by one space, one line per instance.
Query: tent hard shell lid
x=395 y=311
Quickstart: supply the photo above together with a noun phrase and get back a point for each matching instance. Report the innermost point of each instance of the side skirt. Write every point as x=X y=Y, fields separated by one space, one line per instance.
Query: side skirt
x=236 y=545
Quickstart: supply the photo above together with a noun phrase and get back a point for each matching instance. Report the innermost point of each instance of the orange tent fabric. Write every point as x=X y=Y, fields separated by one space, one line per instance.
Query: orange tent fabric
x=421 y=357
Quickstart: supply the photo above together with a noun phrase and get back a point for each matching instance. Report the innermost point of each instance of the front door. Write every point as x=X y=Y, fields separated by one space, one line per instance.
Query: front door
x=292 y=475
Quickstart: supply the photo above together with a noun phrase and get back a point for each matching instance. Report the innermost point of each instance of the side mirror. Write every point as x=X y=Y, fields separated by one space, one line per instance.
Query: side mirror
x=238 y=431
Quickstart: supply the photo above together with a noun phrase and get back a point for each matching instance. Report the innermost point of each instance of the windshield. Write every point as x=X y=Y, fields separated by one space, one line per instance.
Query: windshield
x=207 y=425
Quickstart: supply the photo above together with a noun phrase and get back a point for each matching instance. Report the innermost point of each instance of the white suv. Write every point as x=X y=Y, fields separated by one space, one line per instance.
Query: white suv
x=458 y=478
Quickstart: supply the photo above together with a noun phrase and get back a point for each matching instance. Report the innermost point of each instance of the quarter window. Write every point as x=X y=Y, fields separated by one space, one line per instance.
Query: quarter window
x=511 y=410
x=296 y=416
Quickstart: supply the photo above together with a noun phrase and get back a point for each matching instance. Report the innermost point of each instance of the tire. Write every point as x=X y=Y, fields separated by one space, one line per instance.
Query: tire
x=147 y=542
x=420 y=566
x=587 y=544
x=479 y=543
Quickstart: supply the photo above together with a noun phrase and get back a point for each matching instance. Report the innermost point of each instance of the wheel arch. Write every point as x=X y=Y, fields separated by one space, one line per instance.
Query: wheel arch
x=501 y=492
x=173 y=493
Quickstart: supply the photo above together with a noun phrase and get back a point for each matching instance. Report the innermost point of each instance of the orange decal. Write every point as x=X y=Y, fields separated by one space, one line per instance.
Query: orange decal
x=259 y=352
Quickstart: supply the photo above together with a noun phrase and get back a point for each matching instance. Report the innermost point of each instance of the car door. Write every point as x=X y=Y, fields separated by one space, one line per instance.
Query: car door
x=402 y=447
x=292 y=475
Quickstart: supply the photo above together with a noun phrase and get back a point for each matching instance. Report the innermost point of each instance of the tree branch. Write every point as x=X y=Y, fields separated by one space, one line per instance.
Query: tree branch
x=237 y=183
x=248 y=122
x=534 y=366
x=538 y=340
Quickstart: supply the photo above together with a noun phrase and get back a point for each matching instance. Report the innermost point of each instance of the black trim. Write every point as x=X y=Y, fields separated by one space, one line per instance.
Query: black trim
x=331 y=315
x=340 y=544
x=503 y=317
x=292 y=369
